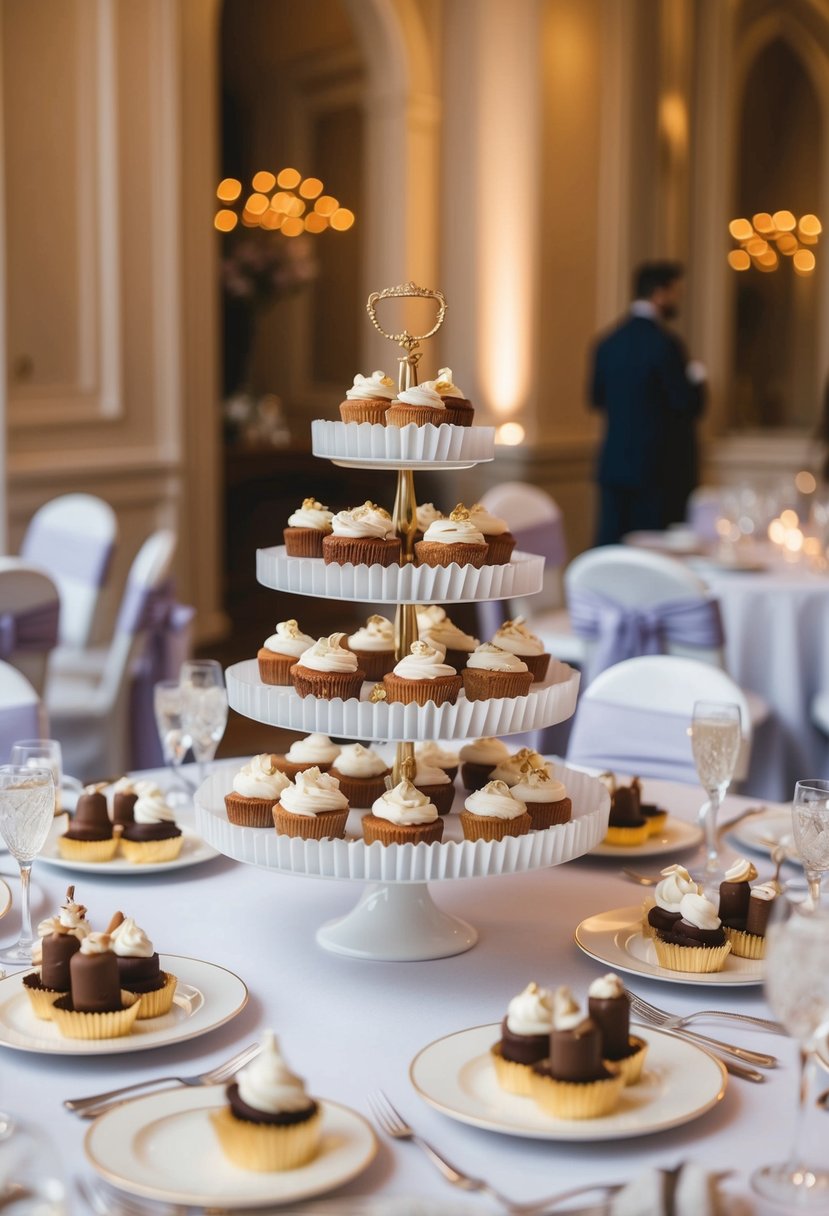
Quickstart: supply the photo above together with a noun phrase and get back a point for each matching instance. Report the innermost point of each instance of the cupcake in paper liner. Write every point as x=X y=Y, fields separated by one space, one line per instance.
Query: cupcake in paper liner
x=154 y=835
x=545 y=798
x=419 y=404
x=361 y=773
x=256 y=789
x=491 y=813
x=306 y=528
x=279 y=652
x=608 y=1005
x=422 y=676
x=493 y=672
x=270 y=1123
x=575 y=1082
x=313 y=807
x=96 y=1006
x=368 y=398
x=661 y=913
x=403 y=815
x=139 y=968
x=59 y=938
x=525 y=1039
x=455 y=539
x=696 y=942
x=90 y=835
x=750 y=941
x=328 y=670
x=515 y=637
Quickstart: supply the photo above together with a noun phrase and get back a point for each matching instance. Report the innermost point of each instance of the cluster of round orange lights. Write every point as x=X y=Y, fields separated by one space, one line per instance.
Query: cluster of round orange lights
x=283 y=202
x=765 y=238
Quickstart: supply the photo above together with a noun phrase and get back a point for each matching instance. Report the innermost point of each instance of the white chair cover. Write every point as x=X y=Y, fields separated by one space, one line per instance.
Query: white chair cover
x=22 y=715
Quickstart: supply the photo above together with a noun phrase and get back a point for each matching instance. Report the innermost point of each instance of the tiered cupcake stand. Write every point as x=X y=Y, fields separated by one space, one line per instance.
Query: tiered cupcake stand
x=396 y=918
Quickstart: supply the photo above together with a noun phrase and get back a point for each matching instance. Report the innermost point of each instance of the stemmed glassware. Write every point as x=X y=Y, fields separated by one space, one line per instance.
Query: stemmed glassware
x=27 y=808
x=797 y=989
x=715 y=743
x=810 y=825
x=44 y=753
x=203 y=708
x=168 y=700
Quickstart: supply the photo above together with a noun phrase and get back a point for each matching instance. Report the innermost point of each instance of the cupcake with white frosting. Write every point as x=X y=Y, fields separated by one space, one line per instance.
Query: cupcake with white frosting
x=609 y=1007
x=362 y=536
x=499 y=539
x=479 y=759
x=373 y=645
x=696 y=942
x=280 y=651
x=306 y=527
x=456 y=645
x=453 y=540
x=361 y=773
x=270 y=1123
x=422 y=676
x=328 y=670
x=491 y=813
x=124 y=797
x=419 y=404
x=426 y=513
x=459 y=409
x=256 y=788
x=575 y=1082
x=428 y=615
x=515 y=637
x=662 y=912
x=58 y=938
x=153 y=836
x=438 y=757
x=314 y=751
x=493 y=672
x=313 y=807
x=511 y=768
x=545 y=797
x=403 y=815
x=435 y=784
x=368 y=398
x=525 y=1039
x=139 y=969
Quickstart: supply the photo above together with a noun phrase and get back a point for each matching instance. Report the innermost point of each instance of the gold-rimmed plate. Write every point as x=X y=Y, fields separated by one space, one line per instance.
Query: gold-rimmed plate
x=676 y=836
x=5 y=897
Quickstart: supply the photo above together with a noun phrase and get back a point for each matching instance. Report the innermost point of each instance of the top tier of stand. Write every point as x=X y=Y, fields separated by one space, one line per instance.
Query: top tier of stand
x=369 y=445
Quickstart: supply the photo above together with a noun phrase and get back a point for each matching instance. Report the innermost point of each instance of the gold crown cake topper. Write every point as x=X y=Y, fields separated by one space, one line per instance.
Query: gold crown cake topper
x=460 y=514
x=407 y=376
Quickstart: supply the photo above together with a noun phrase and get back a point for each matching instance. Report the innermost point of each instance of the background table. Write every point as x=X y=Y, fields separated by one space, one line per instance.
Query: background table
x=351 y=1027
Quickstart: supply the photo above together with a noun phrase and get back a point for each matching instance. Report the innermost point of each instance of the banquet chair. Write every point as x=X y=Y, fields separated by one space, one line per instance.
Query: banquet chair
x=73 y=538
x=537 y=524
x=820 y=714
x=98 y=714
x=634 y=717
x=22 y=715
x=29 y=618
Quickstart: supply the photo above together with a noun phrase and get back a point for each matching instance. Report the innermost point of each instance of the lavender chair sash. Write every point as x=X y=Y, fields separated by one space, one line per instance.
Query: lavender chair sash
x=641 y=742
x=29 y=629
x=546 y=538
x=18 y=722
x=62 y=552
x=622 y=632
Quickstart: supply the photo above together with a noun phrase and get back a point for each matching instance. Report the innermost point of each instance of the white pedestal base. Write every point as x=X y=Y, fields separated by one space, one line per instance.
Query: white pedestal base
x=397 y=922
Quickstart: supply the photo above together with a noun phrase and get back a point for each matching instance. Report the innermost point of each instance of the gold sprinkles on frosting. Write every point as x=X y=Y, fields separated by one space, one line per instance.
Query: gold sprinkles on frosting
x=378 y=693
x=460 y=514
x=311 y=504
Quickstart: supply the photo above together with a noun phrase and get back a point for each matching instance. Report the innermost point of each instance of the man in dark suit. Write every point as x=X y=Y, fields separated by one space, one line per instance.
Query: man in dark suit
x=652 y=397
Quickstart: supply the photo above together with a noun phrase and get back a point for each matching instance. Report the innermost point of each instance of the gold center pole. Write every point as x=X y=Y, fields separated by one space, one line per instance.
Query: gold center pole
x=404 y=518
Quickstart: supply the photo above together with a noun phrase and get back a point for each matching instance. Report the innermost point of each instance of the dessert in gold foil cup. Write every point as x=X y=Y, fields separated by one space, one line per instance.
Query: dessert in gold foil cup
x=59 y=937
x=90 y=835
x=696 y=942
x=95 y=1007
x=525 y=1039
x=575 y=1082
x=153 y=836
x=609 y=1006
x=139 y=969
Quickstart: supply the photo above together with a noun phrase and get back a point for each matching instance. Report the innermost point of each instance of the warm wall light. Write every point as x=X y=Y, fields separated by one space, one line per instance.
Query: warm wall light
x=226 y=221
x=510 y=434
x=326 y=205
x=804 y=261
x=768 y=236
x=228 y=190
x=263 y=181
x=271 y=211
x=311 y=187
x=738 y=259
x=741 y=230
x=788 y=518
x=784 y=221
x=288 y=179
x=805 y=482
x=257 y=204
x=342 y=219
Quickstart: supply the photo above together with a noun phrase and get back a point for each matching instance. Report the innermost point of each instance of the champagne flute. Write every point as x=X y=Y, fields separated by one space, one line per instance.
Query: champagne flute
x=810 y=825
x=27 y=808
x=715 y=743
x=203 y=708
x=797 y=989
x=168 y=702
x=41 y=753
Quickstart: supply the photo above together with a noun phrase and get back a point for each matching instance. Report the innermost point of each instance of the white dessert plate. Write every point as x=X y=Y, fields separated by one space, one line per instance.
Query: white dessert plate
x=616 y=938
x=194 y=852
x=676 y=835
x=164 y=1147
x=5 y=897
x=680 y=1082
x=206 y=996
x=763 y=832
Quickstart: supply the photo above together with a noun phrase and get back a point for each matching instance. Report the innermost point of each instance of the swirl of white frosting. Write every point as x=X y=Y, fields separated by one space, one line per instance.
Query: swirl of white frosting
x=444 y=384
x=130 y=941
x=515 y=637
x=148 y=789
x=510 y=769
x=538 y=786
x=429 y=615
x=378 y=386
x=427 y=513
x=493 y=658
x=485 y=751
x=71 y=917
x=125 y=785
x=369 y=520
x=566 y=1011
x=495 y=801
x=427 y=774
x=313 y=749
x=95 y=943
x=699 y=911
x=405 y=805
x=531 y=1012
x=454 y=532
x=421 y=394
x=607 y=988
x=433 y=753
x=327 y=654
x=312 y=793
x=490 y=525
x=355 y=760
x=288 y=639
x=152 y=807
x=260 y=778
x=267 y=1084
x=675 y=883
x=740 y=871
x=450 y=637
x=763 y=890
x=423 y=662
x=377 y=635
x=311 y=514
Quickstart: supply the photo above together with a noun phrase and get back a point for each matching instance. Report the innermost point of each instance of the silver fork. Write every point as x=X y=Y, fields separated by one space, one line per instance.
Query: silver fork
x=717 y=1045
x=675 y=1022
x=90 y=1107
x=393 y=1124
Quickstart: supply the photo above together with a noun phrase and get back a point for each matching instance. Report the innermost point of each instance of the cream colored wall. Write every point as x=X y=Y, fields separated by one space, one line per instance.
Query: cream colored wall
x=111 y=357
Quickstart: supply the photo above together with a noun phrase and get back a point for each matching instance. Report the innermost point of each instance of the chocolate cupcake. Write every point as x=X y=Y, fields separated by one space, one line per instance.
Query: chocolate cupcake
x=124 y=797
x=525 y=1039
x=139 y=970
x=280 y=651
x=609 y=1007
x=306 y=528
x=363 y=536
x=403 y=815
x=735 y=893
x=491 y=813
x=327 y=670
x=627 y=825
x=90 y=836
x=575 y=1082
x=479 y=759
x=749 y=940
x=256 y=789
x=96 y=1007
x=368 y=399
x=663 y=913
x=491 y=672
x=361 y=773
x=153 y=836
x=59 y=938
x=696 y=942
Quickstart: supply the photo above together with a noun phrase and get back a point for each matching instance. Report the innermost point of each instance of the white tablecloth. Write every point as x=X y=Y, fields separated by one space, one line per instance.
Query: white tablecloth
x=777 y=644
x=352 y=1027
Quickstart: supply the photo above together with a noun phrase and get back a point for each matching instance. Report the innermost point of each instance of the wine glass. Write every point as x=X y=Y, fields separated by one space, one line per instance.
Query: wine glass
x=203 y=708
x=797 y=989
x=810 y=825
x=27 y=807
x=715 y=743
x=44 y=753
x=167 y=702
